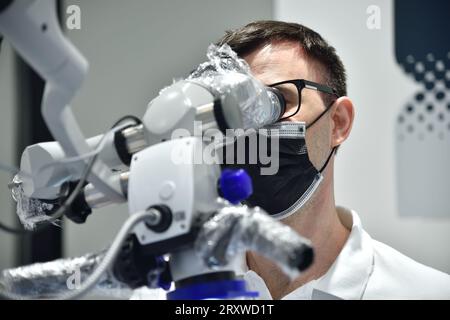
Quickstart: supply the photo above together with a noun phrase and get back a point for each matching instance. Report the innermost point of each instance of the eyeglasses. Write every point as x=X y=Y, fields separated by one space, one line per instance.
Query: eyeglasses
x=292 y=93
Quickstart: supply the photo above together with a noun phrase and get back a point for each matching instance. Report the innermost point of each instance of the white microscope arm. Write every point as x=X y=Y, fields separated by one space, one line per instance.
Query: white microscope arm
x=49 y=167
x=33 y=30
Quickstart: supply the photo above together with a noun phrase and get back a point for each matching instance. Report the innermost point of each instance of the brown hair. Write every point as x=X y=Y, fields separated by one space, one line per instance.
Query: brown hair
x=256 y=34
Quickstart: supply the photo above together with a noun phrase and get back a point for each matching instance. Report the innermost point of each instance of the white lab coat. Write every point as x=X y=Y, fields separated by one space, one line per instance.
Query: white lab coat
x=365 y=269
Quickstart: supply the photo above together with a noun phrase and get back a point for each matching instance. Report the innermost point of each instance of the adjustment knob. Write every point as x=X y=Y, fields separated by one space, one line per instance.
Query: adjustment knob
x=235 y=185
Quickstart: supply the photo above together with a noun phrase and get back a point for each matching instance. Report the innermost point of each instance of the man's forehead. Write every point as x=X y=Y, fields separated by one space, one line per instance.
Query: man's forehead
x=279 y=61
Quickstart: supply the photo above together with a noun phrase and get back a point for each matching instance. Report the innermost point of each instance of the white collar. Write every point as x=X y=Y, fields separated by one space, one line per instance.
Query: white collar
x=347 y=277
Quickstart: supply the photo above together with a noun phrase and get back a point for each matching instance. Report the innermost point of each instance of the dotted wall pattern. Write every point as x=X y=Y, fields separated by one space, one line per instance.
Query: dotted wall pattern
x=422 y=135
x=427 y=113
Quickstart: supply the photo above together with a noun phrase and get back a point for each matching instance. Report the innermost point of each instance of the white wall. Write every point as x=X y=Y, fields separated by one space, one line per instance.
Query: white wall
x=7 y=154
x=365 y=167
x=135 y=48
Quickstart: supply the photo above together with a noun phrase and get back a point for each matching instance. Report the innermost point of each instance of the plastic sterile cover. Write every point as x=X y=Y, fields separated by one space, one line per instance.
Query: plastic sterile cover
x=50 y=279
x=226 y=73
x=236 y=229
x=31 y=212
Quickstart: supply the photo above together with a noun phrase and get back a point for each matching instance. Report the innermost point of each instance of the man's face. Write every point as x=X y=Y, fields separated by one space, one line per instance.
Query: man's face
x=282 y=61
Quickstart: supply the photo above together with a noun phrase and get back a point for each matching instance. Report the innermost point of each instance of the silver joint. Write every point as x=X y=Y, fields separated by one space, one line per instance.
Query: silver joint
x=135 y=138
x=95 y=199
x=124 y=182
x=205 y=114
x=154 y=218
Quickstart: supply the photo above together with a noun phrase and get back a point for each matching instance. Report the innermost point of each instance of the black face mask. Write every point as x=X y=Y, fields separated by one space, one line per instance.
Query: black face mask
x=285 y=192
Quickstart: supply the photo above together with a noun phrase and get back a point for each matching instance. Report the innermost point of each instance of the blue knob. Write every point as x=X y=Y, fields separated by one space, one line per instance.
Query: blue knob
x=235 y=185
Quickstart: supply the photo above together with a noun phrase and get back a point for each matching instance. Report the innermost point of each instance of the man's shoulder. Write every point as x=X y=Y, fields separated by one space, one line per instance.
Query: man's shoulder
x=396 y=276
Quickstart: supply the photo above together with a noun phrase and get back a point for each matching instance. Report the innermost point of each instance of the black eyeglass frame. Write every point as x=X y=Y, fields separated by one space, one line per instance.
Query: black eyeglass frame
x=300 y=84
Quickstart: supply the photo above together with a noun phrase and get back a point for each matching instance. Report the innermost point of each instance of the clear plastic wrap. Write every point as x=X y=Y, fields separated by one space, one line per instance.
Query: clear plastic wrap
x=230 y=76
x=50 y=279
x=236 y=229
x=31 y=212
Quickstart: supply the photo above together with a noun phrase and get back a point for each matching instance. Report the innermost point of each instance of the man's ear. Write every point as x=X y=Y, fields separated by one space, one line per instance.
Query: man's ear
x=342 y=116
